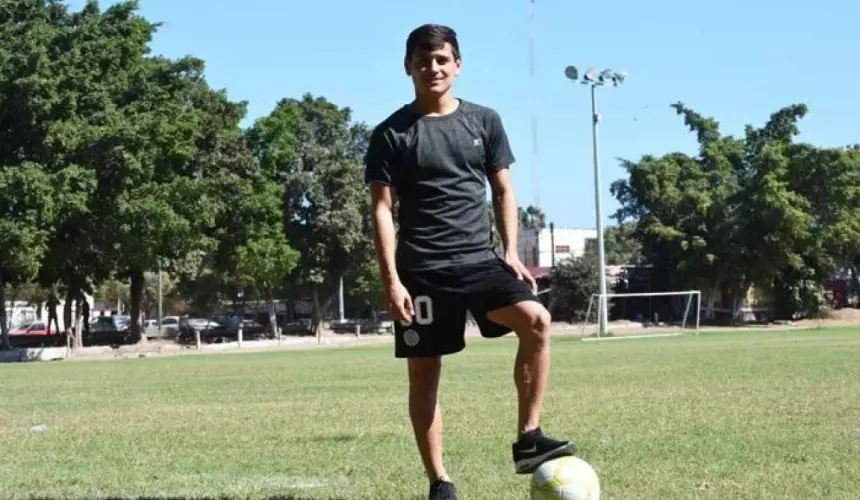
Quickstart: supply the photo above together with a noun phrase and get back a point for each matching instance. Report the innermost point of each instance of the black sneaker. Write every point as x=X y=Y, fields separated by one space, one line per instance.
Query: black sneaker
x=443 y=490
x=533 y=448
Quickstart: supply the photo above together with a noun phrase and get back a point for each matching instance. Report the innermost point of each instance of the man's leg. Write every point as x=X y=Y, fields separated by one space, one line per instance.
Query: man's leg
x=531 y=322
x=502 y=303
x=437 y=330
x=426 y=416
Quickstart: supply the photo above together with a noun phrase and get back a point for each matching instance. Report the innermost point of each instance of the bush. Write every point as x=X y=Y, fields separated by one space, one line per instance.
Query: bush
x=573 y=282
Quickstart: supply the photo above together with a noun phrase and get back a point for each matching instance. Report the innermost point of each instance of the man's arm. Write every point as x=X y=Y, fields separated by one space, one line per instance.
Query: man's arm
x=507 y=220
x=505 y=208
x=382 y=214
x=379 y=176
x=499 y=159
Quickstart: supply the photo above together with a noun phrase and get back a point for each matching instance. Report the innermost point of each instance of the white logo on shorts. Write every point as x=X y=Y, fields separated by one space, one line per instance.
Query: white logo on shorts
x=411 y=338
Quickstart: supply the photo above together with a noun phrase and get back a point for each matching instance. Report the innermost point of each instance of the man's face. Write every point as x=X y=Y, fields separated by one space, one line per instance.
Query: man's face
x=433 y=72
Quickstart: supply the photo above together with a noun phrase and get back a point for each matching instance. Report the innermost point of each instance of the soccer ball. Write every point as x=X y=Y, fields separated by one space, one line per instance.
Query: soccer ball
x=565 y=478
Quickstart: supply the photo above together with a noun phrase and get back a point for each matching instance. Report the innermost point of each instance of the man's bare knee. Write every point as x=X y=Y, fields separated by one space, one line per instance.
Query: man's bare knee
x=541 y=325
x=530 y=320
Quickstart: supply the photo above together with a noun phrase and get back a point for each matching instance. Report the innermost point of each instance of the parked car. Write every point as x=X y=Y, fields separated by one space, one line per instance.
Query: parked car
x=169 y=327
x=34 y=328
x=110 y=324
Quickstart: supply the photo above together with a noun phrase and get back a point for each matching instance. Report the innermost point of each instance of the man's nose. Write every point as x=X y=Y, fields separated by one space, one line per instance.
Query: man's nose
x=435 y=66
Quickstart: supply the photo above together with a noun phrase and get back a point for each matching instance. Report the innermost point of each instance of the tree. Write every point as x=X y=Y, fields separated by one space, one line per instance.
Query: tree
x=27 y=190
x=26 y=215
x=265 y=259
x=164 y=141
x=573 y=282
x=365 y=283
x=737 y=215
x=622 y=247
x=87 y=49
x=532 y=218
x=124 y=136
x=828 y=180
x=495 y=237
x=686 y=228
x=313 y=147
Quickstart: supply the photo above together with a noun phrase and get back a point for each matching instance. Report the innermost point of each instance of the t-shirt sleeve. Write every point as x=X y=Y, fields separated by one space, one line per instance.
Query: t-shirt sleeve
x=379 y=165
x=499 y=154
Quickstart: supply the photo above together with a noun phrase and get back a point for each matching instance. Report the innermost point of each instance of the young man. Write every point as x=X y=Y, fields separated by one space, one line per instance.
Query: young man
x=435 y=154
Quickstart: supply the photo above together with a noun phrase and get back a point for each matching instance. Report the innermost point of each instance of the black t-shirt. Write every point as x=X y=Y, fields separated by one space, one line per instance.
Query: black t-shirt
x=438 y=166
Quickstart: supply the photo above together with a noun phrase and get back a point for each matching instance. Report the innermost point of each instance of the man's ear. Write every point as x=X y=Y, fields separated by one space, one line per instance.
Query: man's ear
x=406 y=67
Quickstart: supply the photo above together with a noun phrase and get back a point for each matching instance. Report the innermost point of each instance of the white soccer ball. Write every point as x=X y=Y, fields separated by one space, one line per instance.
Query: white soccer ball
x=565 y=478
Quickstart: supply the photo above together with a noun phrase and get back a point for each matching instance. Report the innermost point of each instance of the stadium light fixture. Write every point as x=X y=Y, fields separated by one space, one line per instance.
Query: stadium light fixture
x=595 y=79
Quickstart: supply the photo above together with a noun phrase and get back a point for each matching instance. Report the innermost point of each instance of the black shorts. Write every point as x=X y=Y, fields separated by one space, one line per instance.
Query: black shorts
x=441 y=297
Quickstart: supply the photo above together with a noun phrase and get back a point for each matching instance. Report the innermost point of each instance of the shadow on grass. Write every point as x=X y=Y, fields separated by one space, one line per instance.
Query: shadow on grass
x=224 y=497
x=193 y=497
x=343 y=438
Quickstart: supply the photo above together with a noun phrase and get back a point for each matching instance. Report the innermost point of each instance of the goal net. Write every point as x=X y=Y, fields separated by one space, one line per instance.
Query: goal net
x=647 y=314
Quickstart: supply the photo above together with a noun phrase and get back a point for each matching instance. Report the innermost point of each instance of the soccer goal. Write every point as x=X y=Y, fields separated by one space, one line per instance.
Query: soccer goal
x=642 y=315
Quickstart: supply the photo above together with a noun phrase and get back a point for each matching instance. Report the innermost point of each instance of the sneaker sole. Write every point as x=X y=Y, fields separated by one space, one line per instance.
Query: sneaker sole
x=529 y=465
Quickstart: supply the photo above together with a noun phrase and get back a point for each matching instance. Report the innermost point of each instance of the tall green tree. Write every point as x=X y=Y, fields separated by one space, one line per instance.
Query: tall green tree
x=165 y=139
x=315 y=149
x=26 y=218
x=726 y=219
x=28 y=190
x=87 y=51
x=365 y=283
x=262 y=257
x=622 y=247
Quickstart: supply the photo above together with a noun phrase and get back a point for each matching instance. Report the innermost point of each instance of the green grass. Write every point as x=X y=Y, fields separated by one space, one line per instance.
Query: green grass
x=730 y=415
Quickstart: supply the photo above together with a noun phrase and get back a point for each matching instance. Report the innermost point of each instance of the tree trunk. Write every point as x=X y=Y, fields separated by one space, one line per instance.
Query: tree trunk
x=712 y=298
x=316 y=317
x=6 y=344
x=79 y=341
x=67 y=310
x=273 y=317
x=137 y=283
x=320 y=308
x=854 y=289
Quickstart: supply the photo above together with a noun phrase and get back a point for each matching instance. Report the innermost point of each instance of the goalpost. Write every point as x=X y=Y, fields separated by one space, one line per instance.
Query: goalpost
x=644 y=310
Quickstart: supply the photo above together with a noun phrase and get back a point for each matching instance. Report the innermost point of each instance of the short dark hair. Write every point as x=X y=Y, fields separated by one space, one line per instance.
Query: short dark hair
x=431 y=37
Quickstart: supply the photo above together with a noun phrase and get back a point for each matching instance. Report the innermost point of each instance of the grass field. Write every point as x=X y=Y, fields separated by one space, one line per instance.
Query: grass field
x=730 y=415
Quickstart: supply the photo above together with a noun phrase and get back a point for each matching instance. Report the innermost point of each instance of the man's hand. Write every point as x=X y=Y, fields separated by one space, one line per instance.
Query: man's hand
x=399 y=302
x=521 y=271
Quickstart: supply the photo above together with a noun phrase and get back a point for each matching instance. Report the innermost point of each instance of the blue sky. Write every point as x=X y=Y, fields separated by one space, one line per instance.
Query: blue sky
x=738 y=61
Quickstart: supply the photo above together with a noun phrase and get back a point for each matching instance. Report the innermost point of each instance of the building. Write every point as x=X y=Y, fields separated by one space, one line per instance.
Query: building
x=541 y=249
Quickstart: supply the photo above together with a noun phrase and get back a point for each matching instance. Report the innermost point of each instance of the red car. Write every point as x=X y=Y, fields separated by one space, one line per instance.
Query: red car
x=34 y=328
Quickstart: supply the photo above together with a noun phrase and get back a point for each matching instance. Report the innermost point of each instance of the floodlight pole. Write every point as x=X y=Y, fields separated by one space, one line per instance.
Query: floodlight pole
x=603 y=313
x=593 y=80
